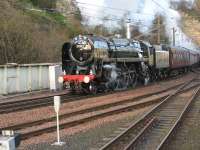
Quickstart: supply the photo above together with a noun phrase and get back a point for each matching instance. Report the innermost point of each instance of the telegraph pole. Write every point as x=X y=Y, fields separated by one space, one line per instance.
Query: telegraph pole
x=159 y=30
x=128 y=34
x=174 y=37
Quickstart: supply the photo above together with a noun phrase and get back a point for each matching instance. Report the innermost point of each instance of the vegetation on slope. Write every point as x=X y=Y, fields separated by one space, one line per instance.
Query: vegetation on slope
x=191 y=20
x=32 y=35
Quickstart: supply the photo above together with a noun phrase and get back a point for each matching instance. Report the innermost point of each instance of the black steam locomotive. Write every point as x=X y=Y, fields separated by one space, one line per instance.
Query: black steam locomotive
x=91 y=63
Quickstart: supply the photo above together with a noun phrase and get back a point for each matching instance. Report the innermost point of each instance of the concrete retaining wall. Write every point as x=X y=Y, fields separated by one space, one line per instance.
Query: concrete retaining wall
x=25 y=78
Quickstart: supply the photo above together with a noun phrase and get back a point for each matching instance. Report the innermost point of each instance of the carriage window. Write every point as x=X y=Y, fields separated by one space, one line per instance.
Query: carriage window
x=164 y=48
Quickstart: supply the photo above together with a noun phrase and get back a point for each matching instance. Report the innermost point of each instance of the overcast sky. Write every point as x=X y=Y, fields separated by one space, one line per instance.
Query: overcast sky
x=141 y=6
x=147 y=10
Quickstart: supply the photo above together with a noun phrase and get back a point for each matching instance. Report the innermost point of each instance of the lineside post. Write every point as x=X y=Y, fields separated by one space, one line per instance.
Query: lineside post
x=159 y=29
x=57 y=104
x=174 y=36
x=128 y=34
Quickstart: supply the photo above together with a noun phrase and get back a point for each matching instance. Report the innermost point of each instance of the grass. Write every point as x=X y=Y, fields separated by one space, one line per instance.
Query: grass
x=47 y=17
x=42 y=15
x=58 y=18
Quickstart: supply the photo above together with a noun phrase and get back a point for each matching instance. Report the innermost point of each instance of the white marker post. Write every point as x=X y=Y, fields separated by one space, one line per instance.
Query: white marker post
x=57 y=104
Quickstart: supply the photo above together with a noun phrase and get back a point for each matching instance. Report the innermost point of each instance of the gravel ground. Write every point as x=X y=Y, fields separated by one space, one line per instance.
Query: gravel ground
x=40 y=113
x=36 y=114
x=93 y=135
x=78 y=117
x=2 y=97
x=25 y=94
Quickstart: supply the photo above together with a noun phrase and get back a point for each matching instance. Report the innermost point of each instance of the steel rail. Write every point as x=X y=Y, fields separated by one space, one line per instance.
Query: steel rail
x=30 y=103
x=93 y=109
x=181 y=117
x=186 y=107
x=116 y=141
x=35 y=103
x=91 y=118
x=84 y=111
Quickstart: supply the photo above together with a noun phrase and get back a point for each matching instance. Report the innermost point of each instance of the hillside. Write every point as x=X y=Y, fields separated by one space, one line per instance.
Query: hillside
x=191 y=27
x=191 y=21
x=34 y=32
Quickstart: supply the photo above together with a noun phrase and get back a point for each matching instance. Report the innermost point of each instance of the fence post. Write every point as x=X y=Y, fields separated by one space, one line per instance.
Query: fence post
x=40 y=77
x=29 y=79
x=17 y=79
x=5 y=80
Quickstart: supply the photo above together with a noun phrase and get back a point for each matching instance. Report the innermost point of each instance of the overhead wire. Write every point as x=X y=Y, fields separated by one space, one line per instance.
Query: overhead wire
x=82 y=4
x=113 y=19
x=105 y=13
x=108 y=18
x=113 y=8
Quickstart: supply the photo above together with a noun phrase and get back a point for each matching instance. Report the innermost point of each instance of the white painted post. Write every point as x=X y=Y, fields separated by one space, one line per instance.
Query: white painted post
x=58 y=128
x=52 y=76
x=54 y=73
x=128 y=34
x=57 y=104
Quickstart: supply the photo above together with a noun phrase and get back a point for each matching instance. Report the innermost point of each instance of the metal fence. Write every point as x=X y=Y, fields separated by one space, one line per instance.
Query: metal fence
x=24 y=78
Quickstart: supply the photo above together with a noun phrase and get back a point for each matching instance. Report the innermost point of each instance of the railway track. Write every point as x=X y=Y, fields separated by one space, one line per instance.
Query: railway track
x=154 y=128
x=187 y=136
x=30 y=103
x=133 y=103
x=14 y=106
